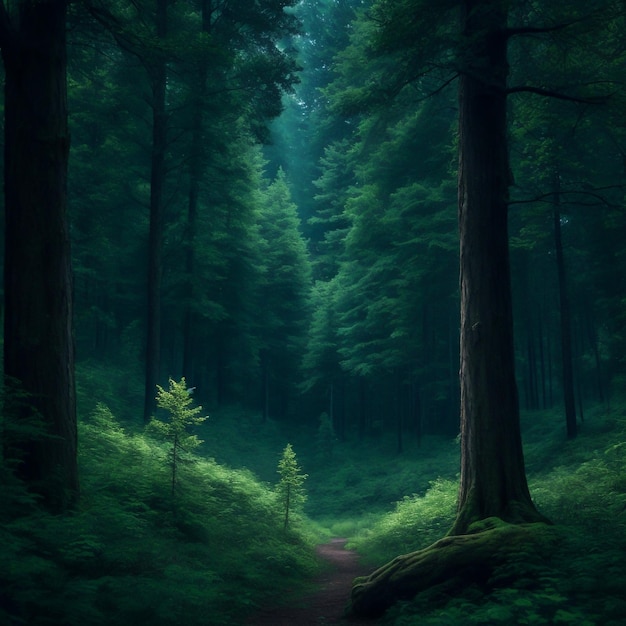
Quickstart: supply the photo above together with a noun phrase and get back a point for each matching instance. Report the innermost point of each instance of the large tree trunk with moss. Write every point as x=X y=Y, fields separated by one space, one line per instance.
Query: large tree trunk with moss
x=38 y=342
x=493 y=479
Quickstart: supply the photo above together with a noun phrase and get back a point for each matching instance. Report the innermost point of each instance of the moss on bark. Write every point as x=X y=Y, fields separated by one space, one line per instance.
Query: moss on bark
x=456 y=561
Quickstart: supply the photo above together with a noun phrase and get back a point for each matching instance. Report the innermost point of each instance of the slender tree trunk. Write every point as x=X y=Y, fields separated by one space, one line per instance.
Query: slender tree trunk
x=416 y=404
x=155 y=238
x=542 y=363
x=196 y=159
x=38 y=341
x=174 y=465
x=221 y=371
x=265 y=384
x=592 y=334
x=398 y=410
x=493 y=480
x=362 y=408
x=331 y=404
x=566 y=324
x=287 y=507
x=195 y=171
x=531 y=383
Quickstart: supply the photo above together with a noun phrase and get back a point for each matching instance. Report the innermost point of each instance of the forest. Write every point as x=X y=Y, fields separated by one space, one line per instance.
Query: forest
x=282 y=272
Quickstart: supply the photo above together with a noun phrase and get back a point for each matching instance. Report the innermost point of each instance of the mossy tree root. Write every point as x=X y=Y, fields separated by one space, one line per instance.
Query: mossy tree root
x=457 y=561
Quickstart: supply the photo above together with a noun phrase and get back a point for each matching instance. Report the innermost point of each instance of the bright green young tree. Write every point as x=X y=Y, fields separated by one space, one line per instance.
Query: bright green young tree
x=177 y=401
x=289 y=490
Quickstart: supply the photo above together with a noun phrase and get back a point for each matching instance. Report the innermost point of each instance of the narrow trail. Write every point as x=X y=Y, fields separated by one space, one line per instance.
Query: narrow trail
x=326 y=605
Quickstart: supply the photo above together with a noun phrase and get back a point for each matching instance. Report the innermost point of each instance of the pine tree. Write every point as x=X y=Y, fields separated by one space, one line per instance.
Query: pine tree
x=289 y=490
x=285 y=293
x=177 y=400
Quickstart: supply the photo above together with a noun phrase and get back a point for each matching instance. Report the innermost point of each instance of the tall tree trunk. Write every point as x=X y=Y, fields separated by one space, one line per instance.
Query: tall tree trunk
x=398 y=409
x=195 y=172
x=592 y=335
x=38 y=341
x=158 y=77
x=493 y=479
x=416 y=410
x=339 y=401
x=566 y=324
x=362 y=408
x=196 y=159
x=265 y=384
x=542 y=363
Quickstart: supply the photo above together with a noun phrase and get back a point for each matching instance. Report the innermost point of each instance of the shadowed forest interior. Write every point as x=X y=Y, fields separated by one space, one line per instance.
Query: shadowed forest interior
x=281 y=272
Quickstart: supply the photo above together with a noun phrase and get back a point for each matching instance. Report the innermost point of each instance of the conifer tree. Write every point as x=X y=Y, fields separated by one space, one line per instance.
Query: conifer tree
x=285 y=291
x=289 y=490
x=177 y=401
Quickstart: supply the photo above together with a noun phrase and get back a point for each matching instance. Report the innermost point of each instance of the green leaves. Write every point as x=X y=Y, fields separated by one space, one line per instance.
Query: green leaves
x=182 y=416
x=177 y=400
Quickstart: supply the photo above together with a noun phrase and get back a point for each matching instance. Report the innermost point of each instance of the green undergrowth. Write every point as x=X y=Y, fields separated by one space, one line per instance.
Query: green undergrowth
x=133 y=554
x=581 y=486
x=348 y=489
x=416 y=522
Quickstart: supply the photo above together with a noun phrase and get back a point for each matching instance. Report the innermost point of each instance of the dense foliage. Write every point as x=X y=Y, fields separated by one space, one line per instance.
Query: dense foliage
x=263 y=205
x=323 y=277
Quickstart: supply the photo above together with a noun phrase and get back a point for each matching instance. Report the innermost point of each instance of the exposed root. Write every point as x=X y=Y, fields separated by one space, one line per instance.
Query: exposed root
x=456 y=561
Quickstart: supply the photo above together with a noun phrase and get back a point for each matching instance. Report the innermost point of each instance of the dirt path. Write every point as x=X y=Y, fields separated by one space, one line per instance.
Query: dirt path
x=326 y=605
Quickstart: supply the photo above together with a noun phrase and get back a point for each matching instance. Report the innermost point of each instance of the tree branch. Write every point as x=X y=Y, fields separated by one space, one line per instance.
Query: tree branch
x=537 y=30
x=592 y=193
x=549 y=93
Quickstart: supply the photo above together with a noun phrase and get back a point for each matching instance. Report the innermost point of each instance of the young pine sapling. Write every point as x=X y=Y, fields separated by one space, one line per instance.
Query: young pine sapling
x=289 y=490
x=177 y=401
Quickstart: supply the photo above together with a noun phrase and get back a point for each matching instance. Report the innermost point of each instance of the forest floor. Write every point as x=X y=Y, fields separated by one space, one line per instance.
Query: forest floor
x=326 y=604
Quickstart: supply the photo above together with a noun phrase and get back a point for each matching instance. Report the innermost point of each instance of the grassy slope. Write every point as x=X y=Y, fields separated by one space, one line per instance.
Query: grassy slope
x=133 y=555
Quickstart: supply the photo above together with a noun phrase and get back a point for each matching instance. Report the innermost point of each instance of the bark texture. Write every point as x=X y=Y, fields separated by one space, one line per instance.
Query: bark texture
x=38 y=341
x=493 y=480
